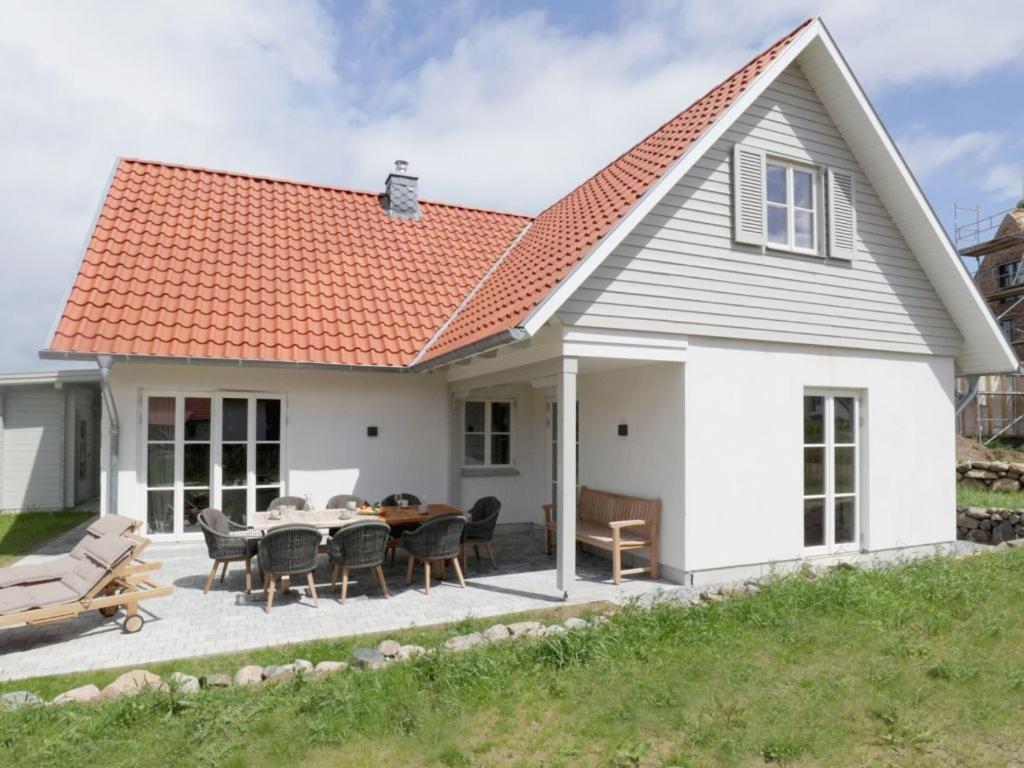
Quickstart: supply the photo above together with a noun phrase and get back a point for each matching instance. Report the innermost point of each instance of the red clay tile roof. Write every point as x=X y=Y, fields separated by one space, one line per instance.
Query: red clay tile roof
x=187 y=262
x=566 y=232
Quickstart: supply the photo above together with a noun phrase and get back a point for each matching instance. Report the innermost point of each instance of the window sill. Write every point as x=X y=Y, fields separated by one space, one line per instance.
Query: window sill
x=779 y=248
x=490 y=472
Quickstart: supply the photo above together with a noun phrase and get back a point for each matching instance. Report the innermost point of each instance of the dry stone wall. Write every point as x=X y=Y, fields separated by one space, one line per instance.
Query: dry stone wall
x=990 y=525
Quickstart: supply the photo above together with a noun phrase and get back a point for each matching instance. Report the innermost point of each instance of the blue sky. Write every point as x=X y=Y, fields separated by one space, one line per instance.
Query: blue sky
x=500 y=104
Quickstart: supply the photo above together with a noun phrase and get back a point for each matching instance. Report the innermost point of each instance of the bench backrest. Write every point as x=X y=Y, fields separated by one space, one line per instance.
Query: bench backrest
x=604 y=507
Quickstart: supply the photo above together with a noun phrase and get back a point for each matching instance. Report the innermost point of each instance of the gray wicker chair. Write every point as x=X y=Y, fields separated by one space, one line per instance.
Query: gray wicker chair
x=342 y=499
x=359 y=545
x=288 y=550
x=483 y=517
x=436 y=541
x=226 y=542
x=281 y=501
x=394 y=499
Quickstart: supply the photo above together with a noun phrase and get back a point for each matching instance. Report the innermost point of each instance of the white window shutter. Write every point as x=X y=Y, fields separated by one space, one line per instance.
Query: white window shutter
x=748 y=169
x=842 y=215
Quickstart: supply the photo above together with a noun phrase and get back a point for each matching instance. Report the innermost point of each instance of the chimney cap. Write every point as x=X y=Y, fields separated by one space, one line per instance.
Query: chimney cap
x=401 y=166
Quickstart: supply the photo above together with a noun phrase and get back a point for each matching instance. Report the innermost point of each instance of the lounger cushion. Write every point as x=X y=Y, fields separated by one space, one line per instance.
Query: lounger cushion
x=111 y=524
x=51 y=570
x=86 y=575
x=107 y=550
x=17 y=599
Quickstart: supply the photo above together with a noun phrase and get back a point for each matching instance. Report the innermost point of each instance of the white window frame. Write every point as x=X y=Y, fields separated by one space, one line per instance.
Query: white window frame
x=790 y=207
x=488 y=432
x=217 y=398
x=830 y=547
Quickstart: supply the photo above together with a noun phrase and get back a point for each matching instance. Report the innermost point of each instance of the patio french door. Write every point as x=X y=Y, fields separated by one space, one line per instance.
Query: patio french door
x=831 y=490
x=223 y=450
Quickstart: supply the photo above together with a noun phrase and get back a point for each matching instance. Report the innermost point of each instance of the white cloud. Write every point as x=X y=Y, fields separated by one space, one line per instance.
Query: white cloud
x=507 y=111
x=928 y=153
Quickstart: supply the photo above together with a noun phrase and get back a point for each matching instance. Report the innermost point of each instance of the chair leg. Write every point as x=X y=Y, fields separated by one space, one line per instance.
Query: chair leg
x=270 y=593
x=223 y=571
x=209 y=579
x=458 y=572
x=373 y=575
x=476 y=551
x=312 y=589
x=426 y=576
x=408 y=571
x=490 y=554
x=248 y=576
x=383 y=583
x=334 y=575
x=462 y=554
x=344 y=584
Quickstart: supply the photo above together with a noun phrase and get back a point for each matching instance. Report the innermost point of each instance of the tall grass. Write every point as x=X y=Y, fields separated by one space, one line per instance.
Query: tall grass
x=888 y=666
x=973 y=496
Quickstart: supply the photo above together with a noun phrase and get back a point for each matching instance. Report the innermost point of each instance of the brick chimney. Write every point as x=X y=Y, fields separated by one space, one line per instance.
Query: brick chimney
x=399 y=198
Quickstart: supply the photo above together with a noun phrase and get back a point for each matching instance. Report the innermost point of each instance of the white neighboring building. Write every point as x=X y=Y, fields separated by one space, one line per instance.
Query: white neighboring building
x=49 y=439
x=754 y=309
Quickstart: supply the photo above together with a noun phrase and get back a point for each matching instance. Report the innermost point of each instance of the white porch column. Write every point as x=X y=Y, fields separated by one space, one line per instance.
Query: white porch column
x=566 y=501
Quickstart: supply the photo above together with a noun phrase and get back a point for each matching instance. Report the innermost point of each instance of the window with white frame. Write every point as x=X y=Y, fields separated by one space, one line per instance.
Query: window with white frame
x=221 y=450
x=831 y=495
x=791 y=194
x=487 y=433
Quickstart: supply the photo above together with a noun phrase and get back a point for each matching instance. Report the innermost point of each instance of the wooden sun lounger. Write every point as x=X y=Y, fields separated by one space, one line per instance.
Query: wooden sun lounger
x=124 y=585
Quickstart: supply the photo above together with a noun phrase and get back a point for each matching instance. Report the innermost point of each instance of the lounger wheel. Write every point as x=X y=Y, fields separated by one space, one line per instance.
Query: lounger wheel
x=108 y=610
x=133 y=624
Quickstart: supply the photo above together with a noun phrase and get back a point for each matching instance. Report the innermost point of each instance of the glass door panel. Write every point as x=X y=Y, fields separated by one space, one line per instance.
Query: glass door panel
x=197 y=461
x=234 y=449
x=268 y=452
x=160 y=480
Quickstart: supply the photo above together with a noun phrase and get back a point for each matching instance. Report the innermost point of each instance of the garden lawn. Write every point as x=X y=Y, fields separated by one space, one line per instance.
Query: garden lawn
x=917 y=665
x=22 y=532
x=972 y=496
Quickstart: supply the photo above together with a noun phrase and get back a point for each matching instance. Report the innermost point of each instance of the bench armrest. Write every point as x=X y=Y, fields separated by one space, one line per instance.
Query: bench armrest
x=626 y=523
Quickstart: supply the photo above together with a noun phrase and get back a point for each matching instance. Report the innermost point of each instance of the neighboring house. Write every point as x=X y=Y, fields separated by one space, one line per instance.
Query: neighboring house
x=49 y=439
x=755 y=310
x=1001 y=276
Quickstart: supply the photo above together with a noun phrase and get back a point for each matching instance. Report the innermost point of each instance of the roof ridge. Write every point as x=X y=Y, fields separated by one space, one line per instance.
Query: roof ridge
x=676 y=116
x=310 y=185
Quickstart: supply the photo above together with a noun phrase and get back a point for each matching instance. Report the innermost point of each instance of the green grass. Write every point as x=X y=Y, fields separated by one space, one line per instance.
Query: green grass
x=974 y=496
x=21 y=533
x=918 y=665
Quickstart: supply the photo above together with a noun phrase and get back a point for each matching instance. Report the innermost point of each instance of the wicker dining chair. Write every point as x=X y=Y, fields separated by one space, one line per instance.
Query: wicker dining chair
x=283 y=501
x=437 y=540
x=288 y=550
x=395 y=499
x=342 y=499
x=483 y=517
x=359 y=545
x=226 y=542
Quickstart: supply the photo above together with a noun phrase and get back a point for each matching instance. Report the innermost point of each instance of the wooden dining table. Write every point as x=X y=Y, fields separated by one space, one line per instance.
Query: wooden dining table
x=331 y=519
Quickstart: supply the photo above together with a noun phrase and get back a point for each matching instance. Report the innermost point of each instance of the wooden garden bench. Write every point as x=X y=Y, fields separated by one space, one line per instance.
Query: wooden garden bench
x=616 y=523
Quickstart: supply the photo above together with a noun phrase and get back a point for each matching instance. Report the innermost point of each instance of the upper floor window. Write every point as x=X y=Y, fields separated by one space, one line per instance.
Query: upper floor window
x=487 y=433
x=1010 y=274
x=790 y=206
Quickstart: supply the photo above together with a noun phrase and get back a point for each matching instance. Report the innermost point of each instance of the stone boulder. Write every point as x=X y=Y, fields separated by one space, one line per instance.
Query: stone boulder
x=981 y=474
x=131 y=683
x=302 y=667
x=408 y=651
x=276 y=673
x=184 y=683
x=19 y=699
x=325 y=668
x=388 y=648
x=81 y=695
x=215 y=681
x=1016 y=468
x=1003 y=532
x=1005 y=484
x=463 y=642
x=496 y=633
x=369 y=658
x=575 y=623
x=249 y=675
x=523 y=627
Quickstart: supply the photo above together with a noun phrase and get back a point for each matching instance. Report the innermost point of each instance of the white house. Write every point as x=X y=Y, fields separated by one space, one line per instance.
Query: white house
x=49 y=439
x=755 y=310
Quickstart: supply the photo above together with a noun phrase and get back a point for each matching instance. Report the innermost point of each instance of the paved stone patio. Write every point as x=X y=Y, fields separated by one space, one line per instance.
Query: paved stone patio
x=186 y=624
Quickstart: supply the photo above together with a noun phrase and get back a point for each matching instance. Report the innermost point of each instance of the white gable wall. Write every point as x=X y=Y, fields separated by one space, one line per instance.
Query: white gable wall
x=681 y=272
x=33 y=448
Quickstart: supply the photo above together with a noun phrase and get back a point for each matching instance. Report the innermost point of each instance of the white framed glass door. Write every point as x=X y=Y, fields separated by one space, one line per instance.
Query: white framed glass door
x=223 y=450
x=831 y=489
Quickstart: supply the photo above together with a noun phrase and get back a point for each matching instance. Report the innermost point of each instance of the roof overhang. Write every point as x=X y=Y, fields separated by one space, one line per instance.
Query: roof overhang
x=73 y=376
x=53 y=354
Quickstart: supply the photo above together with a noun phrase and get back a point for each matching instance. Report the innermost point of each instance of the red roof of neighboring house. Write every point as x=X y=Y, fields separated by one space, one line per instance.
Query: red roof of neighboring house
x=187 y=262
x=565 y=233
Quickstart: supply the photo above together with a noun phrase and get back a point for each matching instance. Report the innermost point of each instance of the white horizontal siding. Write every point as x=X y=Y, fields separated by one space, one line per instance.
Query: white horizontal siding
x=680 y=270
x=33 y=445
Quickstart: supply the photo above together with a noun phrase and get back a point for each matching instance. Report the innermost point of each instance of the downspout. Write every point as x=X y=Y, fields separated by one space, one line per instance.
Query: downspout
x=114 y=432
x=965 y=399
